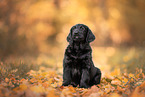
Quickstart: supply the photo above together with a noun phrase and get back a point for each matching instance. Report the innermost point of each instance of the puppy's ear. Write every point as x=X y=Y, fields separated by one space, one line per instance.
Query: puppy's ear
x=90 y=36
x=69 y=37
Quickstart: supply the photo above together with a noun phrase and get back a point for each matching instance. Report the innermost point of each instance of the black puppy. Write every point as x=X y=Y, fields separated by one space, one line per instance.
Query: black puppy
x=78 y=67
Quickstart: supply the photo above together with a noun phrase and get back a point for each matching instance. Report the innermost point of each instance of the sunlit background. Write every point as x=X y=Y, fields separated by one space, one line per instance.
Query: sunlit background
x=35 y=31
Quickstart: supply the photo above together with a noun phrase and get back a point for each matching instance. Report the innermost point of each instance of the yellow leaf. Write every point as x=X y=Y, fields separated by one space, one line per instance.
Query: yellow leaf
x=72 y=89
x=12 y=79
x=116 y=82
x=39 y=81
x=95 y=95
x=45 y=84
x=125 y=80
x=44 y=74
x=138 y=76
x=142 y=85
x=52 y=93
x=10 y=83
x=6 y=79
x=131 y=75
x=54 y=85
x=33 y=80
x=23 y=87
x=16 y=89
x=138 y=91
x=107 y=88
x=115 y=72
x=120 y=89
x=37 y=89
x=22 y=80
x=114 y=95
x=66 y=93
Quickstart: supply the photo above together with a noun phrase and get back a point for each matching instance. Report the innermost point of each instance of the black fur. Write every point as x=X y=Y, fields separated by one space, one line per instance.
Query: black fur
x=78 y=67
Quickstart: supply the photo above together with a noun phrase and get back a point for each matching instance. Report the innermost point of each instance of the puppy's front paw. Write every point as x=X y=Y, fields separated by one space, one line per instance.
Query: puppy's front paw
x=83 y=85
x=73 y=84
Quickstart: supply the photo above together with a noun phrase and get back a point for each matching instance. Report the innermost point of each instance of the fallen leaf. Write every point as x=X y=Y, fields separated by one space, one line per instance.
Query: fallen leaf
x=6 y=79
x=23 y=87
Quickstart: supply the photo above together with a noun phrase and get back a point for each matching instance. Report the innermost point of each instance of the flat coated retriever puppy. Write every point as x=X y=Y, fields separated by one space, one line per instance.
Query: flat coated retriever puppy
x=78 y=67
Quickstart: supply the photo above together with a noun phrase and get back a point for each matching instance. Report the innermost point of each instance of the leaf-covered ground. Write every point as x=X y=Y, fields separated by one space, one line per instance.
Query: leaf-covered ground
x=47 y=83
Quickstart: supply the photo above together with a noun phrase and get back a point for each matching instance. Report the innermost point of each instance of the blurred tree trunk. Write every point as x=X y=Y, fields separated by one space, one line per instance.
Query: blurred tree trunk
x=56 y=23
x=11 y=43
x=104 y=8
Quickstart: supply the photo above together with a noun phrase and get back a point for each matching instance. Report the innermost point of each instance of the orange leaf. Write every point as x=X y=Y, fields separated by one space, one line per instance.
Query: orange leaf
x=12 y=79
x=125 y=80
x=7 y=80
x=142 y=85
x=61 y=87
x=116 y=82
x=131 y=75
x=37 y=89
x=137 y=92
x=120 y=89
x=45 y=84
x=115 y=72
x=22 y=80
x=114 y=95
x=66 y=92
x=23 y=87
x=72 y=89
x=52 y=93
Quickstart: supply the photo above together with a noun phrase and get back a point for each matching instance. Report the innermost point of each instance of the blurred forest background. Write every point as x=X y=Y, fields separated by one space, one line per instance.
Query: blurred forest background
x=35 y=31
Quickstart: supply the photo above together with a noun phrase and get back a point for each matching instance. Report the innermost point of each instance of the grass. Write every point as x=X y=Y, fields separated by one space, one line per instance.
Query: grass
x=128 y=59
x=17 y=70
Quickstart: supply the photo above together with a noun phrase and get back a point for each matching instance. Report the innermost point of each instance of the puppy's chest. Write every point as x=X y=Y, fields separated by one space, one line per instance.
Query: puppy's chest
x=77 y=54
x=76 y=71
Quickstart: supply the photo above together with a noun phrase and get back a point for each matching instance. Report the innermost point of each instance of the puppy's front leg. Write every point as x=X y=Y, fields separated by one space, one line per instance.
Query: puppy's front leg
x=66 y=76
x=85 y=78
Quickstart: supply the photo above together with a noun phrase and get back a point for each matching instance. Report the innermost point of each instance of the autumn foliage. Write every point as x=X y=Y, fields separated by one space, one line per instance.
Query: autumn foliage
x=47 y=82
x=33 y=34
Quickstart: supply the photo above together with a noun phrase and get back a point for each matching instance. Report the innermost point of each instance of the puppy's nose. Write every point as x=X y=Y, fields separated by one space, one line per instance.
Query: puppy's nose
x=76 y=32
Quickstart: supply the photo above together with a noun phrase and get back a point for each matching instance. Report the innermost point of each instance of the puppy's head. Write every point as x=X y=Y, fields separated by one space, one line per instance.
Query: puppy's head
x=80 y=33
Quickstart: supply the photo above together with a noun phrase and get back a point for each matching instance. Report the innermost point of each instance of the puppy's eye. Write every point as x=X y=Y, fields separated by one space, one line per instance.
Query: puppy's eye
x=74 y=27
x=82 y=28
